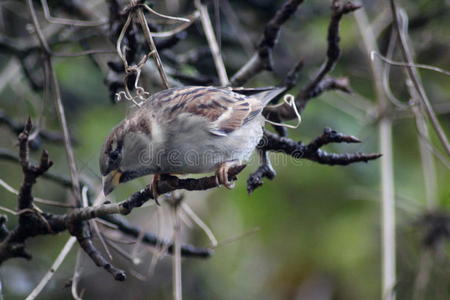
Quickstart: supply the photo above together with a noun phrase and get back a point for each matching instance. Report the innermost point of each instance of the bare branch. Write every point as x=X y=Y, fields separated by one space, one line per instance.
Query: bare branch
x=319 y=83
x=265 y=170
x=262 y=58
x=312 y=151
x=82 y=231
x=35 y=143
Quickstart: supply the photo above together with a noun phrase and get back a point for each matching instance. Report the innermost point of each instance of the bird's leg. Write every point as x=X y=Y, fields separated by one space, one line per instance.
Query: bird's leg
x=222 y=173
x=156 y=179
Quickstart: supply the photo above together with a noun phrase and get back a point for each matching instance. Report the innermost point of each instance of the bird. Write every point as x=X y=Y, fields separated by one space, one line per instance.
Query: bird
x=186 y=130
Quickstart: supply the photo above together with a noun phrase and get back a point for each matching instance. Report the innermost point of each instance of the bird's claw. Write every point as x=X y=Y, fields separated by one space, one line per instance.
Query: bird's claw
x=222 y=174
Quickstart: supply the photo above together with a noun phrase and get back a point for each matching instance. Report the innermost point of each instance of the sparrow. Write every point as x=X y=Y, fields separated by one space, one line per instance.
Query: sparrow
x=187 y=130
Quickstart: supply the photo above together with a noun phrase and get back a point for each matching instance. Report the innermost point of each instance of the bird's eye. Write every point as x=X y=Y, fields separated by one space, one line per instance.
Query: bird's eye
x=114 y=154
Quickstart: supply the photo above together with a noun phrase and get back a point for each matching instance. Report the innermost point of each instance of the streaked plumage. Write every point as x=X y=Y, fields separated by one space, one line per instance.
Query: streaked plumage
x=185 y=130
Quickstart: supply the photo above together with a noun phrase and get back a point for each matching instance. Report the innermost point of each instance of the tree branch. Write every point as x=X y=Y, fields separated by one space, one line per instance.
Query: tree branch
x=262 y=58
x=311 y=151
x=319 y=83
x=35 y=143
x=32 y=222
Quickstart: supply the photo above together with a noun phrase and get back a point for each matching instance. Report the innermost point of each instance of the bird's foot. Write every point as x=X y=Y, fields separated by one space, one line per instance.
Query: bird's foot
x=222 y=173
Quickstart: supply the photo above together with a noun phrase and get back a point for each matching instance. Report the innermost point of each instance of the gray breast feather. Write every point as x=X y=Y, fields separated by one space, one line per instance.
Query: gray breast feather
x=186 y=152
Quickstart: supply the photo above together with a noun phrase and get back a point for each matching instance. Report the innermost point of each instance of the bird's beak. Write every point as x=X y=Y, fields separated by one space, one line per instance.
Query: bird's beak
x=110 y=181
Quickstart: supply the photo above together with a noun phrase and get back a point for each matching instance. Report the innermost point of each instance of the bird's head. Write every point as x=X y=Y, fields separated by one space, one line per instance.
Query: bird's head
x=125 y=155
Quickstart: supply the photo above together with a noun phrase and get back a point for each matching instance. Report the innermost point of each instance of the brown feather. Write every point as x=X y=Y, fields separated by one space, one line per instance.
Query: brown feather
x=225 y=109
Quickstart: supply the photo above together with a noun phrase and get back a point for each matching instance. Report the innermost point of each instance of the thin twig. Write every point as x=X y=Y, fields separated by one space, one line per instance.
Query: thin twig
x=56 y=178
x=55 y=266
x=67 y=142
x=83 y=53
x=262 y=58
x=387 y=177
x=17 y=127
x=441 y=156
x=191 y=19
x=386 y=72
x=125 y=254
x=64 y=21
x=212 y=42
x=233 y=239
x=76 y=276
x=170 y=18
x=35 y=199
x=428 y=167
x=403 y=64
x=426 y=157
x=8 y=210
x=37 y=28
x=423 y=274
x=176 y=259
x=152 y=47
x=319 y=83
x=193 y=216
x=58 y=105
x=415 y=79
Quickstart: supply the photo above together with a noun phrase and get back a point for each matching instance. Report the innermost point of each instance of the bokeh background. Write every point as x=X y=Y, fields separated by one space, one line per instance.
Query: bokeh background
x=314 y=232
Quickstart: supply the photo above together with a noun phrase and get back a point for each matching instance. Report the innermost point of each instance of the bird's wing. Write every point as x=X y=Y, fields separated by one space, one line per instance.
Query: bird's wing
x=224 y=109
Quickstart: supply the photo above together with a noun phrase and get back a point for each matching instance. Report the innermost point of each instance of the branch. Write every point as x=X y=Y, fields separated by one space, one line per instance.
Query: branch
x=413 y=75
x=30 y=222
x=152 y=240
x=312 y=151
x=31 y=172
x=57 y=178
x=298 y=150
x=83 y=233
x=320 y=83
x=33 y=222
x=333 y=52
x=167 y=184
x=262 y=58
x=58 y=223
x=35 y=142
x=265 y=170
x=212 y=42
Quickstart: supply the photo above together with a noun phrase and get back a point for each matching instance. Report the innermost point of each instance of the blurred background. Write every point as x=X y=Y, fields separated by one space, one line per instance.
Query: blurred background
x=314 y=232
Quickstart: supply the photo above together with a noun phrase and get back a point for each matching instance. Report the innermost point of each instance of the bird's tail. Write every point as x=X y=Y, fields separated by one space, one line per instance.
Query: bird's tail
x=265 y=94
